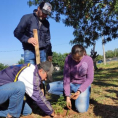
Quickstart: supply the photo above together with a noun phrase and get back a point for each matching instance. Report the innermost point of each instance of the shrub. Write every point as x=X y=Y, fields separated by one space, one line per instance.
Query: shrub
x=2 y=66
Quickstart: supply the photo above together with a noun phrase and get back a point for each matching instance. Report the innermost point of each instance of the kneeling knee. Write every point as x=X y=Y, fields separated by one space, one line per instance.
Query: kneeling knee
x=20 y=87
x=48 y=87
x=27 y=112
x=82 y=109
x=30 y=111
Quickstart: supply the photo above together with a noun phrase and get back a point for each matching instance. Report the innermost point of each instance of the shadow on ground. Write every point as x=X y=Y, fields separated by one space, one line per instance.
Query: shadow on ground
x=105 y=111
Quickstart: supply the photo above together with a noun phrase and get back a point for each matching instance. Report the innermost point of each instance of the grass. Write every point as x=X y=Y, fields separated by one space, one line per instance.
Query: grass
x=104 y=94
x=103 y=99
x=59 y=105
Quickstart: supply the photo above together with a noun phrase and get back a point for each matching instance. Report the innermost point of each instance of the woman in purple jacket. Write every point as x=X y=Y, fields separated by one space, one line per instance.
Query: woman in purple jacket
x=78 y=76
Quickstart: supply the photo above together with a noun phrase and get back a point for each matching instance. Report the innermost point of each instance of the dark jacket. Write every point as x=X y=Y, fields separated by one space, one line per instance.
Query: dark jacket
x=28 y=74
x=24 y=31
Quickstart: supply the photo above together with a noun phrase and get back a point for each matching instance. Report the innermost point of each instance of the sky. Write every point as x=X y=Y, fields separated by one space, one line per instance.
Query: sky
x=11 y=12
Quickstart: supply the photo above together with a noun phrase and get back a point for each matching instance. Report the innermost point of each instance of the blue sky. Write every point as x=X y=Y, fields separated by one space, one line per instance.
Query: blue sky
x=11 y=12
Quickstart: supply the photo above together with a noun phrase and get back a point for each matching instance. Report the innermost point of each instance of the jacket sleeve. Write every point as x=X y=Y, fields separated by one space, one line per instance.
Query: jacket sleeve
x=49 y=50
x=19 y=32
x=66 y=80
x=41 y=101
x=89 y=77
x=49 y=46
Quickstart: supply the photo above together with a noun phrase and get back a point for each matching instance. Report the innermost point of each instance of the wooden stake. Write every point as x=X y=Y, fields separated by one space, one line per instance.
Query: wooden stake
x=36 y=47
x=37 y=53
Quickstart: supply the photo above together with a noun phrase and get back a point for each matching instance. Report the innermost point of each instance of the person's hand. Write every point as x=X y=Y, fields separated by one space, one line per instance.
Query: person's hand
x=68 y=103
x=32 y=41
x=75 y=95
x=49 y=58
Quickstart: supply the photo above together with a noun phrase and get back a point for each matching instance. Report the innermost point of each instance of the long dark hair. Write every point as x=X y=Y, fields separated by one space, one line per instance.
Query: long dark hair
x=78 y=49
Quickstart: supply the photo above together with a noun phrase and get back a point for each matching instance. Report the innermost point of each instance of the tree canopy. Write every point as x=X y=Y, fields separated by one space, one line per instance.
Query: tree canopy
x=59 y=59
x=111 y=54
x=2 y=66
x=90 y=19
x=21 y=61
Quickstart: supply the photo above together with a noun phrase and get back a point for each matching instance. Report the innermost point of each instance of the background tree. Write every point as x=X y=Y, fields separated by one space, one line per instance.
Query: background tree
x=21 y=61
x=94 y=56
x=99 y=57
x=116 y=6
x=90 y=19
x=116 y=52
x=59 y=59
x=109 y=54
x=2 y=66
x=112 y=53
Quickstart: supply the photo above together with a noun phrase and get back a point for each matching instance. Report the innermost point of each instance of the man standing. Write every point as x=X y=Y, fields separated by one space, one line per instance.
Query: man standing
x=24 y=33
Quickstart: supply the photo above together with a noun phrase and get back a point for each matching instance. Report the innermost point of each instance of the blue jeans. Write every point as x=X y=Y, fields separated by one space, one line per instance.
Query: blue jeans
x=14 y=92
x=81 y=103
x=29 y=56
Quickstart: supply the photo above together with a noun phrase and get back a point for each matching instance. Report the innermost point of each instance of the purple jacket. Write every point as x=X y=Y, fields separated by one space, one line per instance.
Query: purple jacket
x=28 y=74
x=78 y=72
